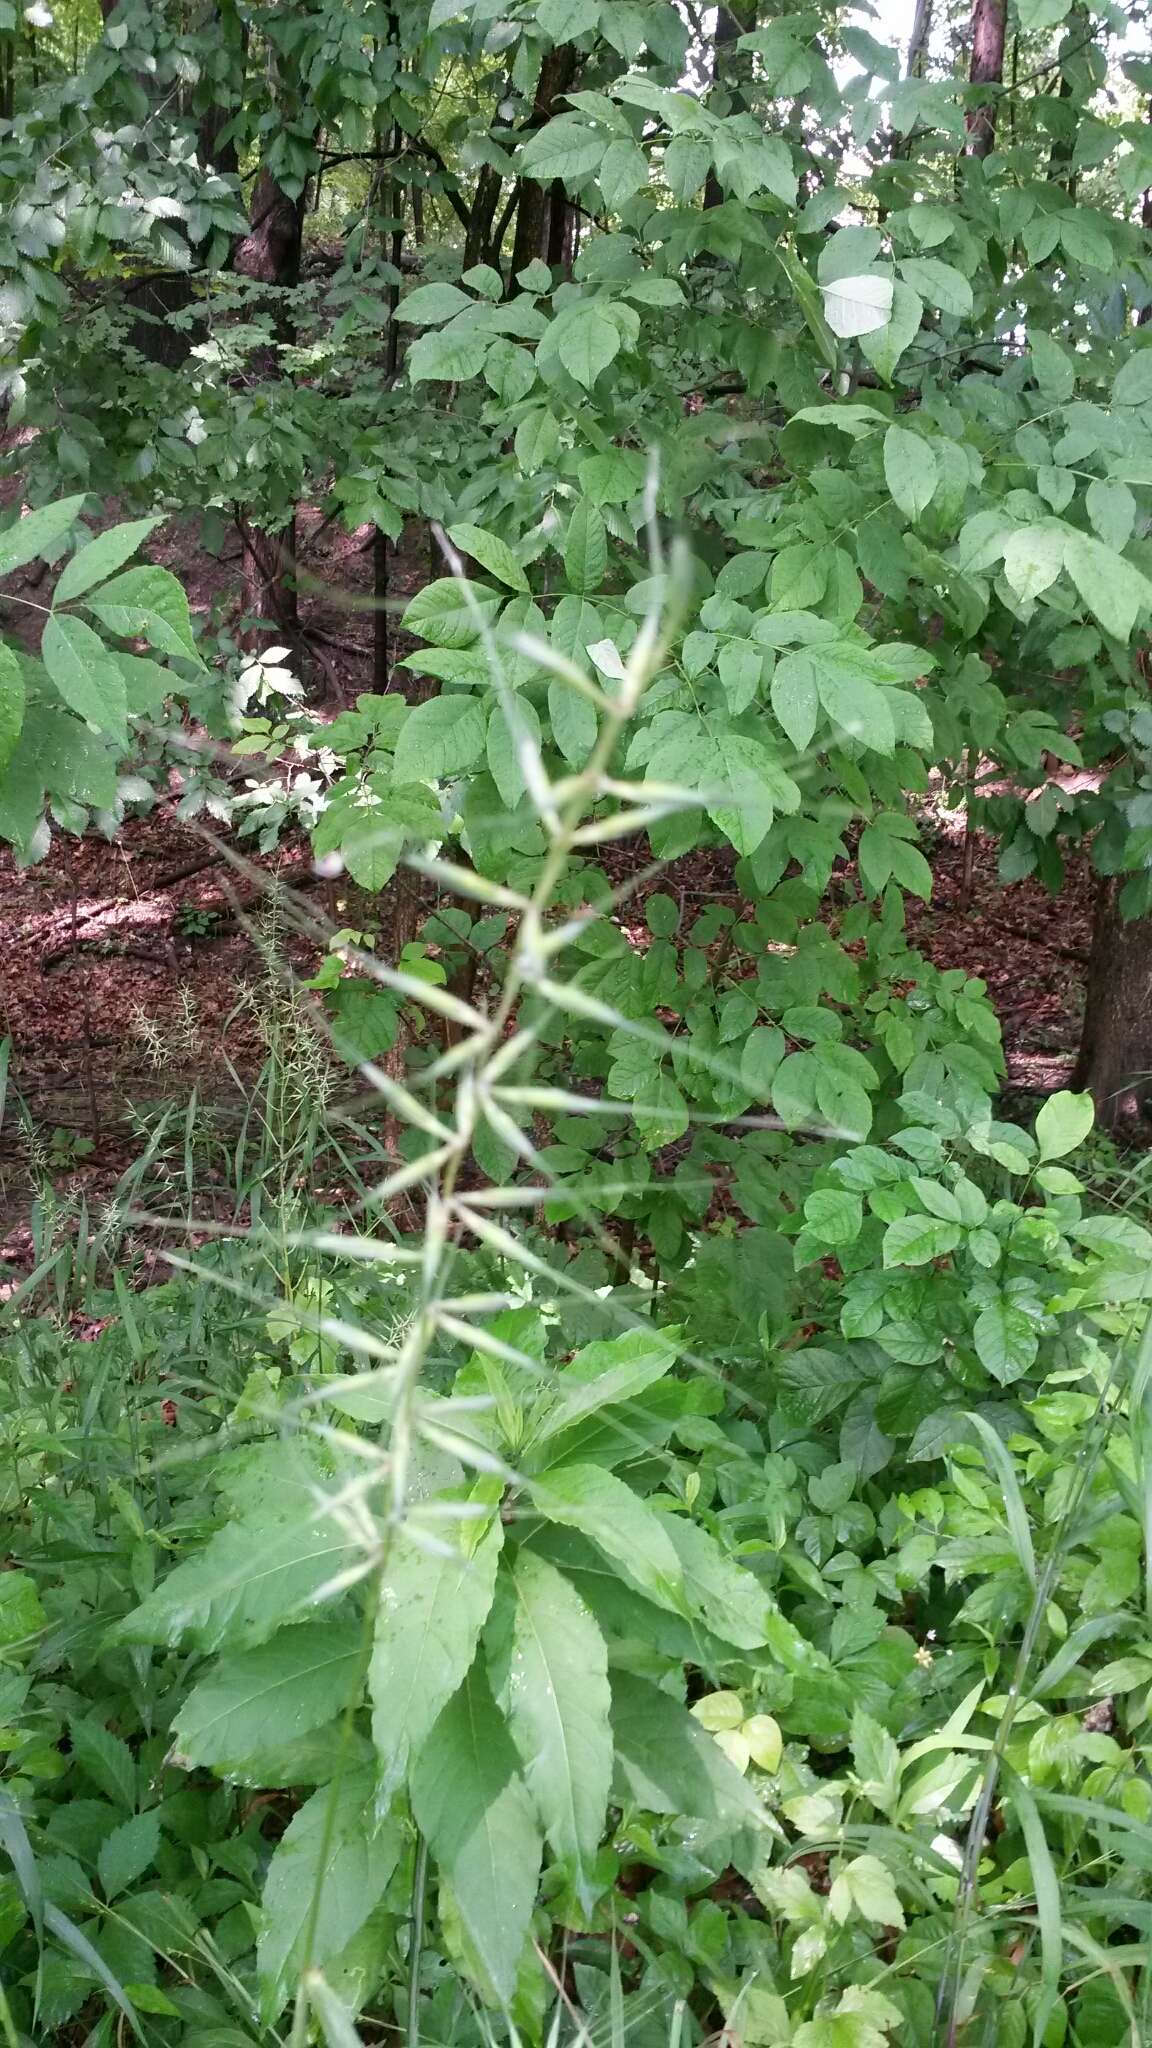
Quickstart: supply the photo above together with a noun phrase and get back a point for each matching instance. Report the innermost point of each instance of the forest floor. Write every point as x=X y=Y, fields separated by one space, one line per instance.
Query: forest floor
x=130 y=967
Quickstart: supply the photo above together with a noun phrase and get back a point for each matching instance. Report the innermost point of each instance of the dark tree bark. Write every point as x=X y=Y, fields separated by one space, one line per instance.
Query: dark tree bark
x=561 y=222
x=989 y=18
x=270 y=253
x=1115 y=1058
x=533 y=208
x=482 y=213
x=918 y=40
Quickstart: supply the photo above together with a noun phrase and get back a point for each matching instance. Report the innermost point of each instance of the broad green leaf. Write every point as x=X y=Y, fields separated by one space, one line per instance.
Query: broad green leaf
x=101 y=558
x=573 y=722
x=147 y=604
x=718 y=1592
x=565 y=148
x=667 y=1763
x=249 y=1578
x=451 y=612
x=440 y=738
x=126 y=1853
x=473 y=1809
x=588 y=342
x=492 y=554
x=616 y=1369
x=1114 y=591
x=430 y=304
x=1006 y=1339
x=549 y=1671
x=884 y=347
x=85 y=674
x=38 y=533
x=762 y=1052
x=1034 y=557
x=623 y=170
x=795 y=698
x=585 y=549
x=938 y=284
x=451 y=355
x=686 y=164
x=1118 y=1239
x=281 y=1691
x=107 y=1761
x=12 y=700
x=334 y=1857
x=917 y=1240
x=910 y=470
x=852 y=701
x=1112 y=511
x=506 y=736
x=1132 y=385
x=865 y=1886
x=619 y=1522
x=857 y=305
x=1063 y=1123
x=432 y=1609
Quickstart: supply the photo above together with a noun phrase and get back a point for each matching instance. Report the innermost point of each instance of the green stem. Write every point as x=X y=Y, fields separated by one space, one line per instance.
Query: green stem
x=419 y=1888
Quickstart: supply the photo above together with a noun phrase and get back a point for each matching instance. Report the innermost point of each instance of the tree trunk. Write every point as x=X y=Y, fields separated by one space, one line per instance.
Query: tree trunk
x=734 y=18
x=987 y=68
x=1115 y=1059
x=533 y=210
x=918 y=40
x=270 y=253
x=482 y=213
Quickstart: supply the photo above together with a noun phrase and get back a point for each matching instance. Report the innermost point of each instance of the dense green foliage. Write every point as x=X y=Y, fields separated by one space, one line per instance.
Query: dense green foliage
x=668 y=1549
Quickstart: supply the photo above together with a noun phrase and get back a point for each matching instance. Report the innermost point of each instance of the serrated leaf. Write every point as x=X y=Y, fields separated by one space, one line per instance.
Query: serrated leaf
x=38 y=533
x=336 y=1857
x=440 y=738
x=85 y=674
x=147 y=604
x=865 y=1885
x=549 y=1670
x=857 y=305
x=1034 y=557
x=473 y=1809
x=884 y=347
x=450 y=355
x=126 y=1853
x=282 y=1690
x=249 y=1579
x=432 y=1610
x=795 y=698
x=107 y=1761
x=667 y=1763
x=101 y=558
x=505 y=738
x=589 y=340
x=451 y=612
x=910 y=470
x=619 y=1522
x=491 y=552
x=431 y=304
x=12 y=703
x=573 y=722
x=623 y=171
x=585 y=549
x=566 y=147
x=1114 y=591
x=939 y=284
